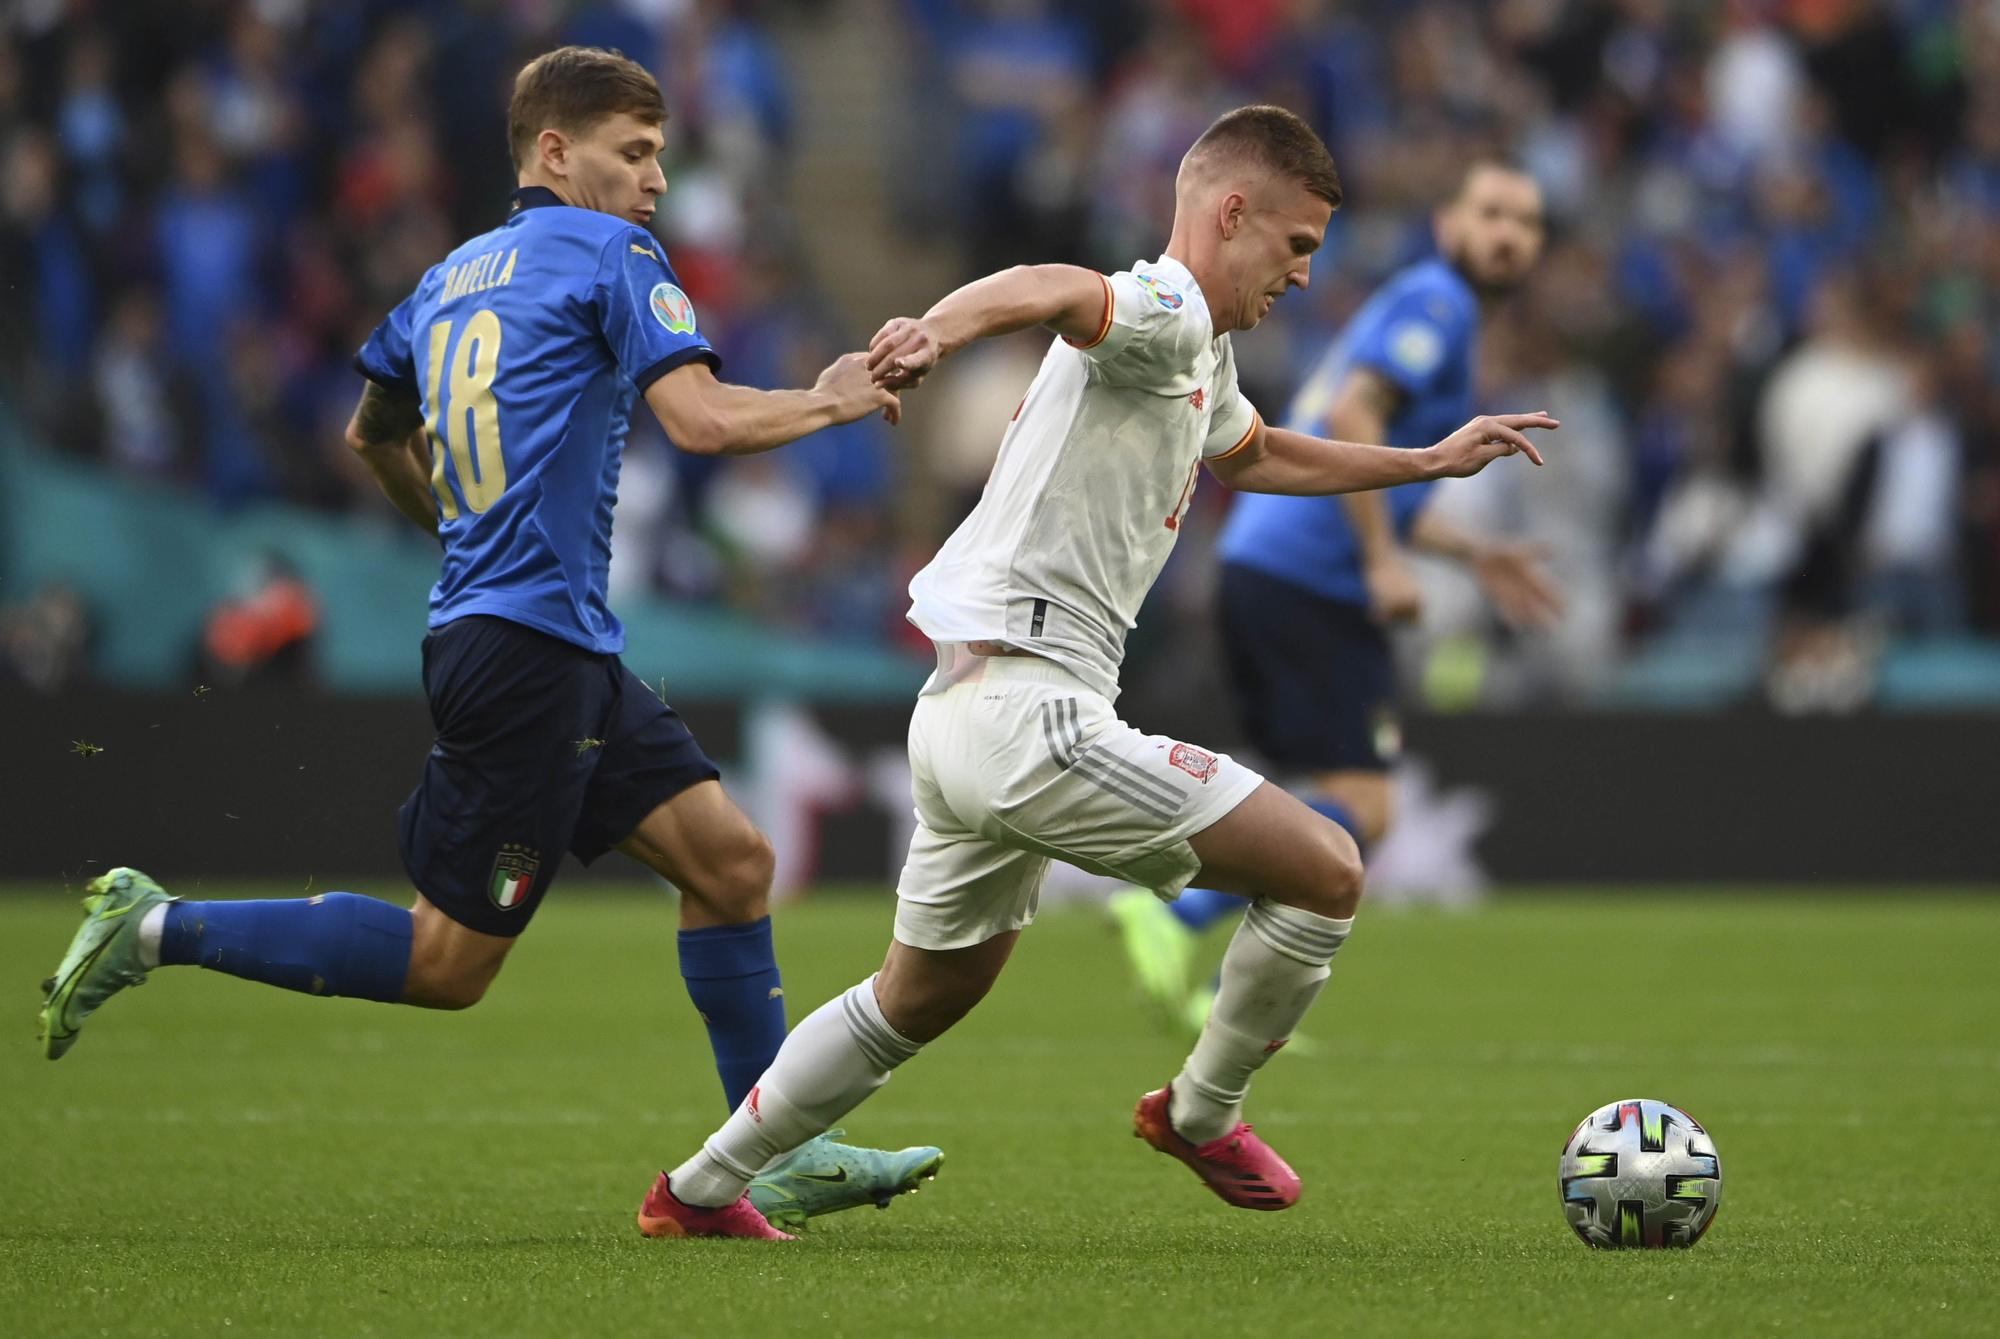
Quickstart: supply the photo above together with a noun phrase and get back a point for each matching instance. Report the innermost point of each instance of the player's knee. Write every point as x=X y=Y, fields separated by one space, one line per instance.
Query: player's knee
x=1334 y=886
x=738 y=886
x=435 y=985
x=760 y=864
x=747 y=882
x=460 y=994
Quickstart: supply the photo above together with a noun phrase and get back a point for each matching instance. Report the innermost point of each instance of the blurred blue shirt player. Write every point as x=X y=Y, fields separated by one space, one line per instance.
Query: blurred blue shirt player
x=1417 y=334
x=1309 y=585
x=496 y=405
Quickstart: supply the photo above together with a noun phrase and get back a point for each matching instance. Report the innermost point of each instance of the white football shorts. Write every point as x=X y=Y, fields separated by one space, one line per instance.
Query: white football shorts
x=1018 y=763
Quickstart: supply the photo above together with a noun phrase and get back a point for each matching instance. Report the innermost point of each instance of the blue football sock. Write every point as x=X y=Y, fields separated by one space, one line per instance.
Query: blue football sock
x=1199 y=908
x=334 y=944
x=731 y=973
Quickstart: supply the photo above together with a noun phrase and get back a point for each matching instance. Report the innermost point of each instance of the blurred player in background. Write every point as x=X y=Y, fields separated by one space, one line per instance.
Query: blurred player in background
x=1310 y=586
x=498 y=398
x=1016 y=753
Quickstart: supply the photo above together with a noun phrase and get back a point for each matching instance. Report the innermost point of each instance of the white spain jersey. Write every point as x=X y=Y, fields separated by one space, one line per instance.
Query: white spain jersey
x=1093 y=477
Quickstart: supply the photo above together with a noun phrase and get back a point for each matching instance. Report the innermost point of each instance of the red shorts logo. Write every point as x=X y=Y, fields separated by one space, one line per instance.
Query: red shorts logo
x=1197 y=764
x=1198 y=399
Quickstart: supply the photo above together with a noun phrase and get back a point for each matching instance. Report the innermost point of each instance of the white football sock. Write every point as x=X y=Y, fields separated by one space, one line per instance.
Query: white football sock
x=842 y=1052
x=1271 y=974
x=150 y=927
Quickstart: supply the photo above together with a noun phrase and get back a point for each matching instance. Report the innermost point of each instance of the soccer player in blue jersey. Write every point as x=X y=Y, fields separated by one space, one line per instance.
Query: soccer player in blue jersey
x=1310 y=585
x=497 y=400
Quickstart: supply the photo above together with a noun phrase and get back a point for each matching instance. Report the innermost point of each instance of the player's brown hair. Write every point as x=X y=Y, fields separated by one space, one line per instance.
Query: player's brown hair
x=1278 y=139
x=573 y=88
x=1486 y=162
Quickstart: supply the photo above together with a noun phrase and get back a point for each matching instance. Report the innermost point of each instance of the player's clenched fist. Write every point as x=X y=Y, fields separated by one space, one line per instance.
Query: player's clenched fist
x=903 y=352
x=854 y=392
x=1487 y=438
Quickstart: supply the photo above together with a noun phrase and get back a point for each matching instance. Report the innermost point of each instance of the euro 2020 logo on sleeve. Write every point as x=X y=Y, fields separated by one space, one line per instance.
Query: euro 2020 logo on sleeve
x=1417 y=347
x=1162 y=294
x=672 y=309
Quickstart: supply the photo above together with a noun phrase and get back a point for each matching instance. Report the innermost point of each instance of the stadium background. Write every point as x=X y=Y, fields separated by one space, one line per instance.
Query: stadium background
x=1766 y=316
x=1766 y=319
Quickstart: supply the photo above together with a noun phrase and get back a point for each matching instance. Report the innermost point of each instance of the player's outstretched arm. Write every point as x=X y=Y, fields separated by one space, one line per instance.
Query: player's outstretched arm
x=709 y=417
x=1361 y=412
x=1070 y=300
x=1513 y=573
x=1278 y=461
x=387 y=431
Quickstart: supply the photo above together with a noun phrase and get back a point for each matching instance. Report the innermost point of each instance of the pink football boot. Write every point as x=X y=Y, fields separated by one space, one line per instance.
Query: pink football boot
x=662 y=1215
x=1239 y=1166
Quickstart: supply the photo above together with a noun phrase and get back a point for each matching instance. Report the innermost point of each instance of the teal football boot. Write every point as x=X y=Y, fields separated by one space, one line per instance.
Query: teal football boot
x=824 y=1176
x=103 y=958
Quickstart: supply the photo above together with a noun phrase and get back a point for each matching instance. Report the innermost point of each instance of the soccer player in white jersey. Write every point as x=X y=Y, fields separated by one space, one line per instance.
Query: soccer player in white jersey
x=1017 y=755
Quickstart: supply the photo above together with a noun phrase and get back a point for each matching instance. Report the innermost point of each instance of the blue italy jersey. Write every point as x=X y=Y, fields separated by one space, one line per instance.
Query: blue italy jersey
x=1418 y=331
x=526 y=347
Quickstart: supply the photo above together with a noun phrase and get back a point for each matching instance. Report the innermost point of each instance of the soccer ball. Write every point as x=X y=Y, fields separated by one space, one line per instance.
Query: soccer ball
x=1640 y=1173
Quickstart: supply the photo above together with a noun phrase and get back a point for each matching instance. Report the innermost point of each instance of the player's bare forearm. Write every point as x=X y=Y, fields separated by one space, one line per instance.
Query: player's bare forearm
x=709 y=417
x=1513 y=573
x=741 y=421
x=1072 y=301
x=1368 y=512
x=1278 y=461
x=1435 y=535
x=1369 y=508
x=405 y=480
x=1361 y=413
x=387 y=433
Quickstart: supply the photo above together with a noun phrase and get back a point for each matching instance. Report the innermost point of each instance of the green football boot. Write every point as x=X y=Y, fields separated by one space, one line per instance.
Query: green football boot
x=102 y=960
x=1194 y=1017
x=1159 y=947
x=1194 y=1010
x=825 y=1176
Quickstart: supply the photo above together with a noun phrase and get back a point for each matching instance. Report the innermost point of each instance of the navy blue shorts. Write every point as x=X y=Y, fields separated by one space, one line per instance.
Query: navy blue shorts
x=1314 y=680
x=542 y=747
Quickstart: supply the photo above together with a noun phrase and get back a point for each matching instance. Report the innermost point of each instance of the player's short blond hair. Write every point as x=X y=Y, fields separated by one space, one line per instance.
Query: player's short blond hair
x=1278 y=140
x=572 y=89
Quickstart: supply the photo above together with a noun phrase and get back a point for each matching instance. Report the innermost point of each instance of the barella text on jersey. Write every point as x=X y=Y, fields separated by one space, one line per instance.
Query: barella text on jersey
x=478 y=274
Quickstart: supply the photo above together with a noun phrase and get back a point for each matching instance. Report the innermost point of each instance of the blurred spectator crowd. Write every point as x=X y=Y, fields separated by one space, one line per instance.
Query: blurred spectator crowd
x=1766 y=316
x=205 y=207
x=1767 y=312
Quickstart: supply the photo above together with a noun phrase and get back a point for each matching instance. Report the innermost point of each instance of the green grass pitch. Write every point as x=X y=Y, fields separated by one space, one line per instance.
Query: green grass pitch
x=216 y=1157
